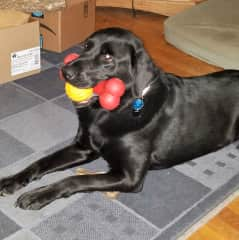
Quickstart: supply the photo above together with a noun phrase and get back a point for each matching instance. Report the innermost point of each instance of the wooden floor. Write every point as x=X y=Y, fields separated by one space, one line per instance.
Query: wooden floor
x=225 y=226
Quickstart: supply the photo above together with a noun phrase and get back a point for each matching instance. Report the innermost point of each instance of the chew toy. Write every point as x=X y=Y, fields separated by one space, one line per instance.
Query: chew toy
x=78 y=94
x=108 y=101
x=115 y=86
x=71 y=57
x=74 y=93
x=100 y=87
x=109 y=91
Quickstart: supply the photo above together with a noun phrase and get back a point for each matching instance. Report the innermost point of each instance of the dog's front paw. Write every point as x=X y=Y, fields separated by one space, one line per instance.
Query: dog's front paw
x=35 y=199
x=11 y=184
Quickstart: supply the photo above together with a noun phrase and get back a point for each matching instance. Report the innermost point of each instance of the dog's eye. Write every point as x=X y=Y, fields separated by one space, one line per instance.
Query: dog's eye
x=107 y=57
x=85 y=46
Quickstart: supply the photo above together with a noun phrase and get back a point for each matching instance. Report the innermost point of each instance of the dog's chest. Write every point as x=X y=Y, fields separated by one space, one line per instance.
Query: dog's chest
x=96 y=137
x=102 y=129
x=98 y=131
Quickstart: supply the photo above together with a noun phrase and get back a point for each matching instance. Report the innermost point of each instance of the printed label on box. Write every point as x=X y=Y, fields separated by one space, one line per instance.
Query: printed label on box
x=25 y=61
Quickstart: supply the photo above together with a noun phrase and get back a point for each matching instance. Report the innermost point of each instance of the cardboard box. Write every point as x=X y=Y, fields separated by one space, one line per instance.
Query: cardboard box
x=62 y=29
x=32 y=5
x=20 y=51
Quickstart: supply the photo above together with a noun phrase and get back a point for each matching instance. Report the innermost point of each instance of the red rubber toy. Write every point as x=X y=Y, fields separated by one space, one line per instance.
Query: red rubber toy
x=108 y=101
x=115 y=86
x=100 y=87
x=109 y=92
x=71 y=57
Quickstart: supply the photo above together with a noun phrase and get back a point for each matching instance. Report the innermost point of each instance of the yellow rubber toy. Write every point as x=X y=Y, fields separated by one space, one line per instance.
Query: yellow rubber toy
x=78 y=94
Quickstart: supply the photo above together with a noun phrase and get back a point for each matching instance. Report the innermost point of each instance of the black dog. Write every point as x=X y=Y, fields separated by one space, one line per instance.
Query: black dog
x=180 y=119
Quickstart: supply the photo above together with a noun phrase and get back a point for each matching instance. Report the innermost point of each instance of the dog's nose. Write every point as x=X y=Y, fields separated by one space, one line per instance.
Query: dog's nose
x=69 y=72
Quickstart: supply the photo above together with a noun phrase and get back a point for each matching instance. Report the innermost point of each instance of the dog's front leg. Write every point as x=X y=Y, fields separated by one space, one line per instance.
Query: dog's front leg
x=38 y=198
x=68 y=157
x=126 y=179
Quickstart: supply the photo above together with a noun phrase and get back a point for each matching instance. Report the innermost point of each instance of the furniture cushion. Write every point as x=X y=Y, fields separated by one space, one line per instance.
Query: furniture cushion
x=208 y=31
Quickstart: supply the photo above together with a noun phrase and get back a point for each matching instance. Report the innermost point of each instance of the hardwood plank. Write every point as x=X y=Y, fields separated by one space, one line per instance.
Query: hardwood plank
x=206 y=234
x=224 y=226
x=234 y=206
x=229 y=217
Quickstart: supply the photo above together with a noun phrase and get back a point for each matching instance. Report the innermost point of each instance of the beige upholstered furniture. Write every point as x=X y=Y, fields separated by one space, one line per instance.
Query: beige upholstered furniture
x=164 y=7
x=209 y=31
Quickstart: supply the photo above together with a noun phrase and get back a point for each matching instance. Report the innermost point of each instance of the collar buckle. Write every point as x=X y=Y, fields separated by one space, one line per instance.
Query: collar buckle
x=137 y=105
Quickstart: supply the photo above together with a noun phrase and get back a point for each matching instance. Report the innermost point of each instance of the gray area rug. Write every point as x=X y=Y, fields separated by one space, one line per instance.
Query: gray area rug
x=36 y=119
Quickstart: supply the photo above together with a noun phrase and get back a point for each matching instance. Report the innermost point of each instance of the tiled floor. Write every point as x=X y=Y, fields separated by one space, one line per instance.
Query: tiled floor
x=36 y=119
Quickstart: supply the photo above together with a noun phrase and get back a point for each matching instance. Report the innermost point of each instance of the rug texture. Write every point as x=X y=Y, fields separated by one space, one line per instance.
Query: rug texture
x=36 y=119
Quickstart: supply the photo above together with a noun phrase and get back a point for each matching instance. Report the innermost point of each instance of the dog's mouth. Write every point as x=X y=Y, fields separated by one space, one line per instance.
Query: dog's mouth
x=108 y=91
x=85 y=103
x=81 y=96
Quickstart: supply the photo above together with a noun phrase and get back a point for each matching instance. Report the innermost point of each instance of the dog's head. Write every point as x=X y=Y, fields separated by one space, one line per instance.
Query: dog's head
x=111 y=52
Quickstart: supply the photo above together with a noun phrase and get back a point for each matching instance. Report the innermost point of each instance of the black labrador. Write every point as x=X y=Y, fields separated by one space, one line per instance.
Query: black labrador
x=179 y=119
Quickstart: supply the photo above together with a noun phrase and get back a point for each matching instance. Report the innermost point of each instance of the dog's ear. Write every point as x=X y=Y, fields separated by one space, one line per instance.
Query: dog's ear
x=143 y=68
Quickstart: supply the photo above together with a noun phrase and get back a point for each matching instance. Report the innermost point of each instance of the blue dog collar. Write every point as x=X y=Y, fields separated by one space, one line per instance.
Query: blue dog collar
x=138 y=104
